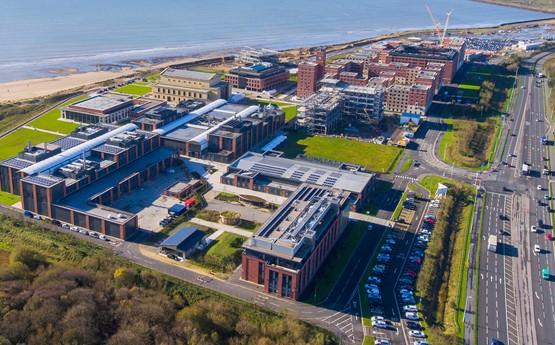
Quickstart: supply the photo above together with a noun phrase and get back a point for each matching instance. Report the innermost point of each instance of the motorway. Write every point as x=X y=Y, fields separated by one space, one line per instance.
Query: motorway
x=510 y=279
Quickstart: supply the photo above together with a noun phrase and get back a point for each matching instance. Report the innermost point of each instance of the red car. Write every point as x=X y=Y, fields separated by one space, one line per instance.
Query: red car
x=411 y=273
x=430 y=221
x=417 y=261
x=549 y=237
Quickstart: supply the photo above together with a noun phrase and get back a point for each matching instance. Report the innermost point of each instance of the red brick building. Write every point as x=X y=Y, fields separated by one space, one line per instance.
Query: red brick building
x=259 y=77
x=286 y=252
x=310 y=73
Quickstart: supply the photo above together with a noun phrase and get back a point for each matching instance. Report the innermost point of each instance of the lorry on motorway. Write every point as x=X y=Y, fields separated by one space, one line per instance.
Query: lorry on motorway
x=492 y=243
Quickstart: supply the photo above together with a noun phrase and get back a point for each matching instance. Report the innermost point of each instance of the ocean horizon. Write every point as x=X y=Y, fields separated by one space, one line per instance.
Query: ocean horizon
x=39 y=36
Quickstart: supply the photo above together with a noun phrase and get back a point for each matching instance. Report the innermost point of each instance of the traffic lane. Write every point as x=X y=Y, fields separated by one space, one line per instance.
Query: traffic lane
x=491 y=296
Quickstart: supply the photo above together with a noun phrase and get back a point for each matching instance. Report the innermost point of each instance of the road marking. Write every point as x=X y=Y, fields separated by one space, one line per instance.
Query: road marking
x=540 y=322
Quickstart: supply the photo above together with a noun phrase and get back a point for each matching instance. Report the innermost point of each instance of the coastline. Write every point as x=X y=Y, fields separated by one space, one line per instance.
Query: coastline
x=19 y=90
x=520 y=6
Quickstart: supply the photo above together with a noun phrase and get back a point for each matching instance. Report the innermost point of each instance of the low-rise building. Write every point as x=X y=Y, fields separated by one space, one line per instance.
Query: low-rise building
x=259 y=77
x=180 y=85
x=183 y=243
x=105 y=108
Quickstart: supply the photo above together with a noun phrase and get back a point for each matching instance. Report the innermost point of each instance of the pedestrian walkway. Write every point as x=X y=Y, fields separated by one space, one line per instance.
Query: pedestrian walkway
x=224 y=227
x=370 y=219
x=42 y=130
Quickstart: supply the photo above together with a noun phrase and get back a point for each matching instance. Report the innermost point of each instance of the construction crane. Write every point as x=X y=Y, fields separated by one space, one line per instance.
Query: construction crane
x=445 y=28
x=436 y=24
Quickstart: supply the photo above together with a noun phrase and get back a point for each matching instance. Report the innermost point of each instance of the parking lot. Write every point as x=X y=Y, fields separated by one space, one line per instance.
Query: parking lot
x=149 y=203
x=391 y=286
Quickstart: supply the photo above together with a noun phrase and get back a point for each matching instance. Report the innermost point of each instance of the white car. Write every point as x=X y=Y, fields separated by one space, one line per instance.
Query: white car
x=93 y=234
x=371 y=286
x=533 y=228
x=411 y=308
x=379 y=324
x=377 y=318
x=421 y=342
x=417 y=334
x=66 y=226
x=537 y=248
x=405 y=292
x=412 y=316
x=382 y=342
x=539 y=187
x=103 y=237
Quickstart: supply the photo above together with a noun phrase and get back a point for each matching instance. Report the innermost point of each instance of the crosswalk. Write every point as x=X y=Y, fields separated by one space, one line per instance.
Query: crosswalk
x=407 y=178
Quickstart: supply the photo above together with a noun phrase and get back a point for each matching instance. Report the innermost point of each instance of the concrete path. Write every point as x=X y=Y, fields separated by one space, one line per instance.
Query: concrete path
x=370 y=219
x=226 y=228
x=43 y=130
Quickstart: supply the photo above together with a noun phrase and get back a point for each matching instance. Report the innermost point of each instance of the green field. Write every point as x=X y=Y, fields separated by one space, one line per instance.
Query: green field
x=13 y=143
x=407 y=164
x=50 y=122
x=134 y=89
x=224 y=246
x=374 y=157
x=430 y=182
x=9 y=199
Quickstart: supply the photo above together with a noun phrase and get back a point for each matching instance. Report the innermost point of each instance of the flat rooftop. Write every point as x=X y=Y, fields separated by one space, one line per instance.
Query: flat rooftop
x=186 y=74
x=293 y=229
x=79 y=199
x=102 y=102
x=303 y=171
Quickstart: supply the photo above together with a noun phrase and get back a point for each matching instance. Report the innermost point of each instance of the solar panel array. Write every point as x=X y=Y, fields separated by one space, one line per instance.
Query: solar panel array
x=41 y=181
x=17 y=163
x=330 y=181
x=66 y=143
x=297 y=174
x=313 y=178
x=114 y=150
x=268 y=169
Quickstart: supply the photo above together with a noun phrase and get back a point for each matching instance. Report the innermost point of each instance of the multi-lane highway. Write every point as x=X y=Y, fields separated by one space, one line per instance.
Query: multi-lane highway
x=515 y=302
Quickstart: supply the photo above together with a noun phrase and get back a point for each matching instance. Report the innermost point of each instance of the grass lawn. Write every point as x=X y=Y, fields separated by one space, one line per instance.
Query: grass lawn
x=332 y=267
x=13 y=143
x=223 y=246
x=134 y=89
x=374 y=157
x=430 y=182
x=9 y=199
x=289 y=109
x=399 y=207
x=50 y=122
x=407 y=163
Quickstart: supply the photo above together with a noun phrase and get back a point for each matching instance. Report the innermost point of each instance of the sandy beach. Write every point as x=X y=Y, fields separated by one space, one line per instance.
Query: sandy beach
x=31 y=88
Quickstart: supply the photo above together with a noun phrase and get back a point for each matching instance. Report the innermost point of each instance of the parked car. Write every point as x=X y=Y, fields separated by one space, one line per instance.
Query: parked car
x=103 y=237
x=377 y=318
x=412 y=316
x=386 y=249
x=411 y=308
x=83 y=231
x=56 y=222
x=93 y=234
x=382 y=342
x=414 y=325
x=28 y=214
x=172 y=256
x=417 y=334
x=421 y=342
x=37 y=217
x=379 y=324
x=66 y=226
x=376 y=310
x=406 y=281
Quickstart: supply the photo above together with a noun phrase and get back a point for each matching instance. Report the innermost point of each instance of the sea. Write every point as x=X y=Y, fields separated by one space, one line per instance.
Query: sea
x=40 y=36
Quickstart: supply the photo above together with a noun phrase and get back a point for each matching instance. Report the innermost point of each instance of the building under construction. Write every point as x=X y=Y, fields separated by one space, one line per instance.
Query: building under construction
x=362 y=104
x=250 y=55
x=321 y=112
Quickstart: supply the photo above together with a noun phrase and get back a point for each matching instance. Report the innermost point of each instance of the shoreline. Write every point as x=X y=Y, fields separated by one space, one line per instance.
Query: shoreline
x=20 y=90
x=519 y=6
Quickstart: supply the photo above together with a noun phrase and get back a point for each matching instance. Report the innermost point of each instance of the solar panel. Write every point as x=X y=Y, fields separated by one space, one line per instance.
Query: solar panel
x=66 y=143
x=17 y=163
x=329 y=182
x=41 y=181
x=312 y=178
x=268 y=169
x=109 y=149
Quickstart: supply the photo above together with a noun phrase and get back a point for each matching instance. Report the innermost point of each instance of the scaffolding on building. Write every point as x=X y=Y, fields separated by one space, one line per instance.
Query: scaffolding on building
x=321 y=112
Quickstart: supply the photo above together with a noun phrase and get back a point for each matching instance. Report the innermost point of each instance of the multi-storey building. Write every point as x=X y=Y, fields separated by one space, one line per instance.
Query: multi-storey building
x=321 y=112
x=414 y=99
x=221 y=131
x=254 y=56
x=259 y=77
x=420 y=56
x=105 y=108
x=284 y=255
x=76 y=178
x=181 y=85
x=309 y=73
